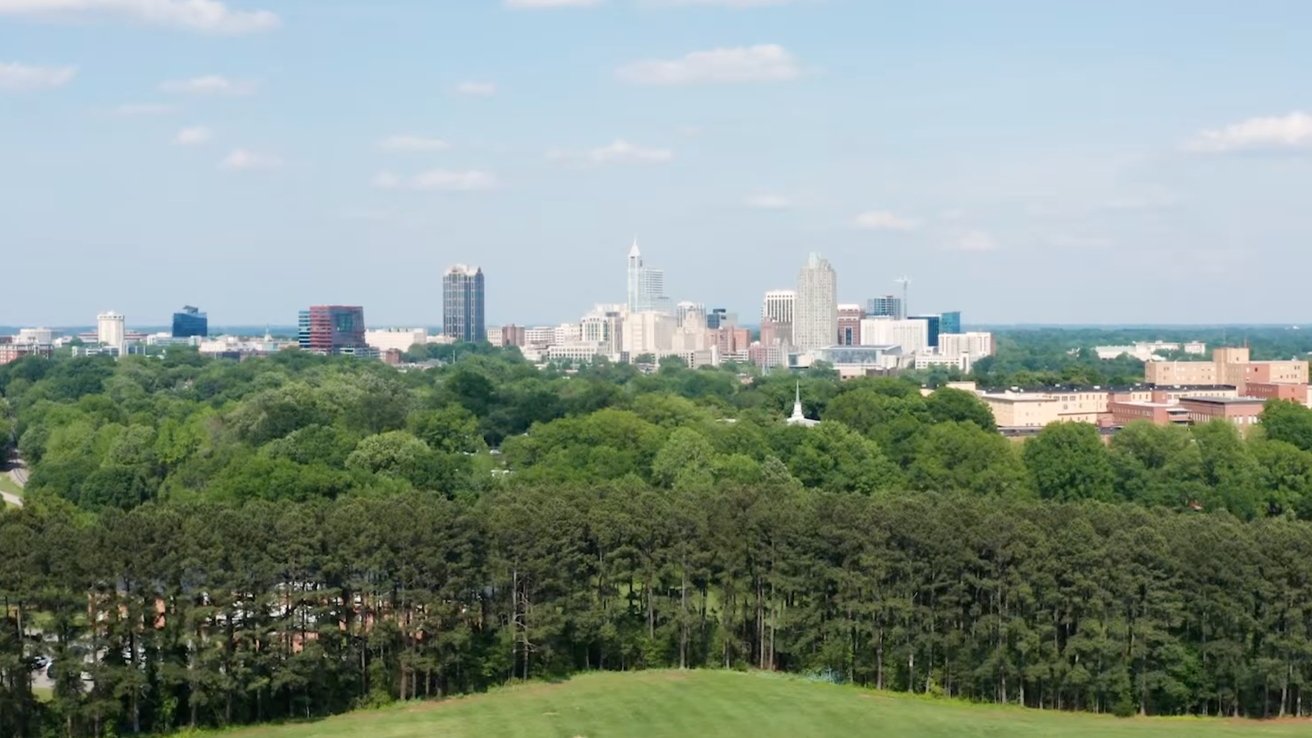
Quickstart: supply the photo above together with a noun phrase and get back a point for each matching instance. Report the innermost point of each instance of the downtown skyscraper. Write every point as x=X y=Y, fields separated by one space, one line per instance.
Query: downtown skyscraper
x=815 y=314
x=646 y=285
x=462 y=304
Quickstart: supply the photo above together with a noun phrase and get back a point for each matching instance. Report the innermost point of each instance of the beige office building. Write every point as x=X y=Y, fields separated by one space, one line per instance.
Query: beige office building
x=1037 y=409
x=1229 y=366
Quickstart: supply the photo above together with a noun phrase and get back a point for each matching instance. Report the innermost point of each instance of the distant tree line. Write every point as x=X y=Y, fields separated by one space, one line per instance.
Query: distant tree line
x=105 y=434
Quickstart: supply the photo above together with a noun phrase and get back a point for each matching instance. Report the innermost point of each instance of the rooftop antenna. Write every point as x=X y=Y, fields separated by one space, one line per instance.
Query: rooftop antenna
x=906 y=308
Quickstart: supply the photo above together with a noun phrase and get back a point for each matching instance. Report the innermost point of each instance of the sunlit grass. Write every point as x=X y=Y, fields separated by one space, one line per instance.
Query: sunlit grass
x=666 y=704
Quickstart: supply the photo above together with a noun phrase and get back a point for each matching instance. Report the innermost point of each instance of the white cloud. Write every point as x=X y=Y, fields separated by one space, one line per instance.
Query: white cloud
x=437 y=179
x=976 y=241
x=410 y=142
x=1287 y=132
x=534 y=4
x=244 y=159
x=205 y=16
x=476 y=89
x=135 y=109
x=193 y=136
x=15 y=77
x=209 y=84
x=882 y=220
x=618 y=151
x=761 y=63
x=768 y=202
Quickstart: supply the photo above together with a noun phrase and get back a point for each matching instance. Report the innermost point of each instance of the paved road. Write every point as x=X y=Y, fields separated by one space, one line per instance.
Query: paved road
x=19 y=475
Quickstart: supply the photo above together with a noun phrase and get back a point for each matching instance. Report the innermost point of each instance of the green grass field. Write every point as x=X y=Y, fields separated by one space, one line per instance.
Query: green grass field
x=8 y=485
x=660 y=704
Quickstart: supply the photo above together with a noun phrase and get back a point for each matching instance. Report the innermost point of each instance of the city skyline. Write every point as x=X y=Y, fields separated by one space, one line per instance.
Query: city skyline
x=1000 y=155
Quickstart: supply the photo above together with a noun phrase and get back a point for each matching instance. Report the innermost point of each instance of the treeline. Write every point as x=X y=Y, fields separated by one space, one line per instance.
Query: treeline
x=214 y=542
x=208 y=614
x=105 y=434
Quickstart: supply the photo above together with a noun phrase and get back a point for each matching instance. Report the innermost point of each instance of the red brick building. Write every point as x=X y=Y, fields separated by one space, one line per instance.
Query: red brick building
x=1240 y=411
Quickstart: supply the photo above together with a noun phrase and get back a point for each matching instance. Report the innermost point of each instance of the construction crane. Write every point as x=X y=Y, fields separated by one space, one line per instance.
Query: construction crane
x=906 y=308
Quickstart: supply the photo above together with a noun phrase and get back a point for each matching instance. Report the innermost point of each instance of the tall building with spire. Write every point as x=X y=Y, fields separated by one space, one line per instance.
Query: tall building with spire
x=646 y=285
x=815 y=314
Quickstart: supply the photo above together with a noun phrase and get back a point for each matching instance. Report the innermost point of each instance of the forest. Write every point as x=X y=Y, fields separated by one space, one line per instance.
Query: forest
x=212 y=542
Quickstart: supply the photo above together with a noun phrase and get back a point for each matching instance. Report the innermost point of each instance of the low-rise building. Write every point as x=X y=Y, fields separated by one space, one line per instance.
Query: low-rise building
x=976 y=345
x=1239 y=411
x=960 y=362
x=1229 y=366
x=574 y=351
x=1157 y=413
x=730 y=339
x=767 y=355
x=1037 y=409
x=401 y=339
x=538 y=336
x=1146 y=350
x=860 y=361
x=513 y=335
x=34 y=336
x=1273 y=391
x=10 y=351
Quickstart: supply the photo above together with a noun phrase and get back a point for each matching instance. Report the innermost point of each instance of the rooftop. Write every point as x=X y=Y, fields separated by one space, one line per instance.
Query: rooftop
x=464 y=269
x=1226 y=400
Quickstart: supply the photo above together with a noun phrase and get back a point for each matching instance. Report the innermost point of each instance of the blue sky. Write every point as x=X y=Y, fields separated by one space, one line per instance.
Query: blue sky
x=1020 y=161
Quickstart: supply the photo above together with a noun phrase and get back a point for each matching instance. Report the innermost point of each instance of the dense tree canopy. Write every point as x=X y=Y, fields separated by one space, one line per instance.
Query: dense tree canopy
x=205 y=613
x=216 y=542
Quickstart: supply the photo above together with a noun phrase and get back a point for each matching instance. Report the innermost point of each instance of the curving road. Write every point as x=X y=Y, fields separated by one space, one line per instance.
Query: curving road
x=19 y=475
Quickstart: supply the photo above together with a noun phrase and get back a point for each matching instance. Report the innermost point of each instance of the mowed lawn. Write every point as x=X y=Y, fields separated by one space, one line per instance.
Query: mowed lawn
x=665 y=704
x=7 y=484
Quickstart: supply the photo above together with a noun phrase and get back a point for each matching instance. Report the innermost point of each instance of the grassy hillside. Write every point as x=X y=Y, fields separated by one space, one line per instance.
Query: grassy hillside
x=657 y=704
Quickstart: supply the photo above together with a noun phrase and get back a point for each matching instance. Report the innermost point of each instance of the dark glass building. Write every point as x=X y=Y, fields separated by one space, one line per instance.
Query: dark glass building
x=935 y=327
x=190 y=321
x=951 y=322
x=717 y=317
x=333 y=329
x=462 y=304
